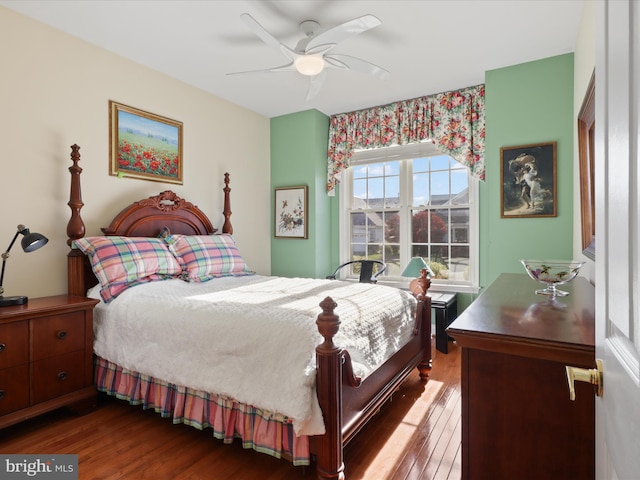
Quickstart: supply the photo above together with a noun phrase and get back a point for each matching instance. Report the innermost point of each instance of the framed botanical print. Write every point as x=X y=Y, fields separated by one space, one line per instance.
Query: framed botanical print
x=291 y=212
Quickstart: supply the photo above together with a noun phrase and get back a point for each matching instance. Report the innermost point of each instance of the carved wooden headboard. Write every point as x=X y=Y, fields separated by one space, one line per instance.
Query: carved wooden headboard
x=143 y=218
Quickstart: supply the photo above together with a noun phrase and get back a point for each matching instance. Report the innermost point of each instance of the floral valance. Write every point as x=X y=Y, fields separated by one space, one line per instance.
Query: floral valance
x=453 y=121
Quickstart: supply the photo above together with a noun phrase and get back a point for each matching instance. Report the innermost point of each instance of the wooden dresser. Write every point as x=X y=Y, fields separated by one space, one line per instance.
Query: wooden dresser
x=46 y=356
x=518 y=421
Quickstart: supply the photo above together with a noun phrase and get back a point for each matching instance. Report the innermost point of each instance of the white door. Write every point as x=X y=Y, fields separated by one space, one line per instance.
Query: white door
x=618 y=235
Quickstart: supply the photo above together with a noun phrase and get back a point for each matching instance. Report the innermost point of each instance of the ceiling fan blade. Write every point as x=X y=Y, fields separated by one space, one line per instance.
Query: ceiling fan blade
x=315 y=84
x=265 y=36
x=283 y=68
x=344 y=30
x=288 y=52
x=260 y=31
x=334 y=62
x=358 y=65
x=319 y=49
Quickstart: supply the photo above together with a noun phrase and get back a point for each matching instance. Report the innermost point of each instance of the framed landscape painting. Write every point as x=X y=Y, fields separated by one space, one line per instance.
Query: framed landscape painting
x=144 y=145
x=291 y=212
x=528 y=178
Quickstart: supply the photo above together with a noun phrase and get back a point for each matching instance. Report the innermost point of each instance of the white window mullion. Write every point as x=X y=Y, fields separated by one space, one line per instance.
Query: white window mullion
x=406 y=200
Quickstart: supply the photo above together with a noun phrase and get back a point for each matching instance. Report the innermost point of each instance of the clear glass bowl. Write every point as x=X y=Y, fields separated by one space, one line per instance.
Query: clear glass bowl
x=552 y=273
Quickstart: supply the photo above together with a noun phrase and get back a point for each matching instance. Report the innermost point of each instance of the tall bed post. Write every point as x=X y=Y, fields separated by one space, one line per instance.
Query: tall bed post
x=227 y=228
x=330 y=465
x=75 y=229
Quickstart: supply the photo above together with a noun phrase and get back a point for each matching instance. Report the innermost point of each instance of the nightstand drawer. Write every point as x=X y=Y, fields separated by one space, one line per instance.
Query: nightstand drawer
x=56 y=376
x=46 y=357
x=14 y=344
x=14 y=389
x=57 y=334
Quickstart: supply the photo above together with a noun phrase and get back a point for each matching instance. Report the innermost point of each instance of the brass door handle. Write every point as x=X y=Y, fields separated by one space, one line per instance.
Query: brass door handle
x=590 y=375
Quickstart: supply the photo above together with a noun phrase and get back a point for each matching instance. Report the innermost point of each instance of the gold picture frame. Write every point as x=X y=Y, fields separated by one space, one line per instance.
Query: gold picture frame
x=144 y=145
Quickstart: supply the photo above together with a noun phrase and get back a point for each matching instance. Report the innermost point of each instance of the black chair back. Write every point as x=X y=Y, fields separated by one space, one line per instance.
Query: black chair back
x=366 y=270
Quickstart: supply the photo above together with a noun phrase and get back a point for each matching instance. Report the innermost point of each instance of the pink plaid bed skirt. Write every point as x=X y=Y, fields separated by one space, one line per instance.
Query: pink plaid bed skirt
x=258 y=429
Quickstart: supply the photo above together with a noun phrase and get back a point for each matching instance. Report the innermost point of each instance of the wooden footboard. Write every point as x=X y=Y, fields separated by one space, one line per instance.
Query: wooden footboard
x=347 y=403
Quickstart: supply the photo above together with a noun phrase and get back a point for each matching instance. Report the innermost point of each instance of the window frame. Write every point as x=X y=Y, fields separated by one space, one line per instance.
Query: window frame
x=408 y=152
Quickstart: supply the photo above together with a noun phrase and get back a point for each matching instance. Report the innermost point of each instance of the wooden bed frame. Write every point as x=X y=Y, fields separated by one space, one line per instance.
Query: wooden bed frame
x=347 y=403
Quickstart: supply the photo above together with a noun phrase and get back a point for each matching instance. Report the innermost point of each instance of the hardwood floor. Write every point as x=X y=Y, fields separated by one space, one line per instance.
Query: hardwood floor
x=416 y=436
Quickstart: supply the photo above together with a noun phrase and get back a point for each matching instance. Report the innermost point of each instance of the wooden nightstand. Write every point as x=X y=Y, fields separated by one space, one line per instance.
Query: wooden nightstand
x=46 y=357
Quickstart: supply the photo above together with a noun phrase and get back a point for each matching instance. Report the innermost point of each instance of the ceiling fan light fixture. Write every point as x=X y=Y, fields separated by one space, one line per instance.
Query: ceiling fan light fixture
x=309 y=64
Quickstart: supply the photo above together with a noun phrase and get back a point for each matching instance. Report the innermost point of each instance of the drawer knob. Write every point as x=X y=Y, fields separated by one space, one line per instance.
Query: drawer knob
x=2 y=347
x=62 y=334
x=1 y=394
x=62 y=376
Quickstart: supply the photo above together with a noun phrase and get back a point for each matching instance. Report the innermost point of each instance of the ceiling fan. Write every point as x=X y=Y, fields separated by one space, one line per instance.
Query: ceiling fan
x=311 y=55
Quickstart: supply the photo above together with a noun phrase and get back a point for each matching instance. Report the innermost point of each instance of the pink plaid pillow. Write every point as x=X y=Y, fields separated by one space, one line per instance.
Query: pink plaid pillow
x=203 y=257
x=121 y=262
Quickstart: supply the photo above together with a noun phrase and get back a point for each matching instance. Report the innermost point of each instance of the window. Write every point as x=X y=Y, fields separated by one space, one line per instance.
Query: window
x=411 y=201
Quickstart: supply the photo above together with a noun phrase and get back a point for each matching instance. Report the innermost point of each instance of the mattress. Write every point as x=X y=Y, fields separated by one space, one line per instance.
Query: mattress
x=250 y=338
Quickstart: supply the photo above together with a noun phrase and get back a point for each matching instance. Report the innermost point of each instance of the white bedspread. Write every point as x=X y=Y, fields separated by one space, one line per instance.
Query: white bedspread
x=250 y=338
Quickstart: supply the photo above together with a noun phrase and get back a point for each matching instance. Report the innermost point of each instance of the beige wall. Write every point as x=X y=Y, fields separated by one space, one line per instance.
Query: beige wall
x=54 y=92
x=584 y=63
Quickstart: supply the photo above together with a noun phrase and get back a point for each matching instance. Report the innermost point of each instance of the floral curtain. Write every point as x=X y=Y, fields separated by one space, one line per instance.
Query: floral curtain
x=453 y=121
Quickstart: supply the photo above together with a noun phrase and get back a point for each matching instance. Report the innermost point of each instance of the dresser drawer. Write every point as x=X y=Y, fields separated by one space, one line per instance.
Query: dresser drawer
x=14 y=388
x=57 y=334
x=14 y=344
x=56 y=376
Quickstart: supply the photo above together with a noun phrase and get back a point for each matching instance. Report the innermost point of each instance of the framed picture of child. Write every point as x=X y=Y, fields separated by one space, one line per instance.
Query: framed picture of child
x=528 y=178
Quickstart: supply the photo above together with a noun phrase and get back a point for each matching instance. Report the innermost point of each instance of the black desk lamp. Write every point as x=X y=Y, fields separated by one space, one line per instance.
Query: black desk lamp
x=30 y=242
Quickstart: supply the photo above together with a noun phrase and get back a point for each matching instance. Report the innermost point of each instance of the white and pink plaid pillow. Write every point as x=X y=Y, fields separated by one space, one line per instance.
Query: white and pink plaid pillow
x=203 y=257
x=121 y=262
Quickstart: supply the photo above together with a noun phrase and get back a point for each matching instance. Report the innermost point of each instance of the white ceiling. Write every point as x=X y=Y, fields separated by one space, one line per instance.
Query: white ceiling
x=429 y=46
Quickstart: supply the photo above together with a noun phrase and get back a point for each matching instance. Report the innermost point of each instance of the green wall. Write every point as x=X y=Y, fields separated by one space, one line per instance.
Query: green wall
x=525 y=104
x=299 y=145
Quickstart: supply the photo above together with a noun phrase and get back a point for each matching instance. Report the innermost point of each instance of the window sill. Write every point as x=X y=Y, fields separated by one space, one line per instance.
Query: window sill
x=435 y=287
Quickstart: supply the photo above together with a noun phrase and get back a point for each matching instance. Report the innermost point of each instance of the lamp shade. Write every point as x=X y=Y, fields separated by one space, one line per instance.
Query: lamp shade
x=32 y=241
x=29 y=243
x=414 y=267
